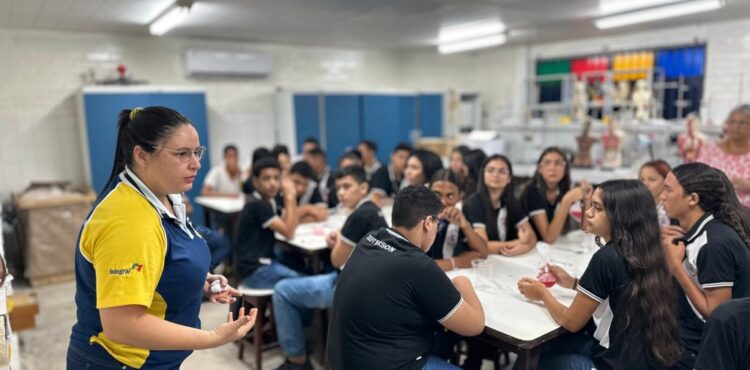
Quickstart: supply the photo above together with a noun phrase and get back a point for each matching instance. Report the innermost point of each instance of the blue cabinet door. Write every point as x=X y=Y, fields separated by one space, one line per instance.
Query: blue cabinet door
x=388 y=120
x=306 y=118
x=431 y=115
x=342 y=115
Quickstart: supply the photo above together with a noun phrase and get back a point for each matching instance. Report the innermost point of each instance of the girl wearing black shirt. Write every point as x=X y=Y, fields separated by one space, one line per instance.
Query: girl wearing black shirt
x=457 y=242
x=495 y=212
x=548 y=197
x=626 y=288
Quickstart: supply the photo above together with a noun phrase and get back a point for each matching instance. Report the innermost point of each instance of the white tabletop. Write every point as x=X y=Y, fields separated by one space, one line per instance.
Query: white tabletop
x=222 y=204
x=509 y=312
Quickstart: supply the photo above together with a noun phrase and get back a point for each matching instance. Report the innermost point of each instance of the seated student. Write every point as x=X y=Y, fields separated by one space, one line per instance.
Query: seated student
x=259 y=220
x=390 y=294
x=456 y=243
x=626 y=288
x=316 y=158
x=499 y=217
x=310 y=205
x=227 y=179
x=420 y=167
x=653 y=174
x=350 y=158
x=386 y=181
x=293 y=299
x=258 y=154
x=726 y=343
x=309 y=144
x=548 y=197
x=473 y=160
x=369 y=151
x=281 y=153
x=708 y=252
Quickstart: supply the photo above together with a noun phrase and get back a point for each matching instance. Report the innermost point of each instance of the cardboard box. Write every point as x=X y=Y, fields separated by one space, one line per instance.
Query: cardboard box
x=23 y=308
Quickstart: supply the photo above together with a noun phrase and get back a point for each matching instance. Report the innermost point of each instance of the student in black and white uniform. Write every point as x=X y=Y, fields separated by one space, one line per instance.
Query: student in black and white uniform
x=625 y=288
x=391 y=297
x=495 y=212
x=457 y=243
x=310 y=205
x=726 y=343
x=316 y=158
x=708 y=252
x=369 y=152
x=387 y=180
x=420 y=167
x=548 y=197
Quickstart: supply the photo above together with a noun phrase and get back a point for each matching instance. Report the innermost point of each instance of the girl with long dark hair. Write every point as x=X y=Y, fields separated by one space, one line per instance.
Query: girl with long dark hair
x=456 y=243
x=420 y=166
x=141 y=267
x=549 y=196
x=708 y=252
x=626 y=288
x=496 y=213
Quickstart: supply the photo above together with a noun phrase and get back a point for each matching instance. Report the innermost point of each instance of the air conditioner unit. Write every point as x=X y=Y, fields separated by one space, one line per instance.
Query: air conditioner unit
x=207 y=62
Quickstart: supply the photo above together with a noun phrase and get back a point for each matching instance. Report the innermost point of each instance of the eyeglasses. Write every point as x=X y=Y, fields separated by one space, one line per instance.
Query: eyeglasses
x=184 y=155
x=737 y=122
x=557 y=163
x=496 y=171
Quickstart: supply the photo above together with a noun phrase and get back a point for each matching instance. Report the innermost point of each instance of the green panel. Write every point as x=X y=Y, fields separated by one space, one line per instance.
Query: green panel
x=551 y=67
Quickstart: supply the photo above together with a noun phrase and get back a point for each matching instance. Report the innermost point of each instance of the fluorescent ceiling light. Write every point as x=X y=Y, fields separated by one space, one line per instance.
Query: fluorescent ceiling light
x=663 y=12
x=471 y=30
x=619 y=6
x=477 y=43
x=169 y=20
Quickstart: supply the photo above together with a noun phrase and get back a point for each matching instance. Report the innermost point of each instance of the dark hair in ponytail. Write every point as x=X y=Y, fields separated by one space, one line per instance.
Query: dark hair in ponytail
x=646 y=310
x=146 y=127
x=716 y=195
x=507 y=198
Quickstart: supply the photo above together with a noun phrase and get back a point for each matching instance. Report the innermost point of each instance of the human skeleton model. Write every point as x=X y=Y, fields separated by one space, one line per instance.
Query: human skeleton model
x=611 y=140
x=580 y=101
x=641 y=101
x=622 y=95
x=585 y=141
x=690 y=142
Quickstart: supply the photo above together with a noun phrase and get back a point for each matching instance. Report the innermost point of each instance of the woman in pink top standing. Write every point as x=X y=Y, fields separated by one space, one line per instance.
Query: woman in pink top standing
x=732 y=153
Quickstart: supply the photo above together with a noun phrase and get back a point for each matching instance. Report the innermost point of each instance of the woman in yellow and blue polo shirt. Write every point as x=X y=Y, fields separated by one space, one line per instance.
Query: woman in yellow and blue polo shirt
x=141 y=268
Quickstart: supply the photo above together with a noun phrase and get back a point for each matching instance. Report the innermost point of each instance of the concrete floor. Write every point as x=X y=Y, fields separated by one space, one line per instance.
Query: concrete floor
x=44 y=348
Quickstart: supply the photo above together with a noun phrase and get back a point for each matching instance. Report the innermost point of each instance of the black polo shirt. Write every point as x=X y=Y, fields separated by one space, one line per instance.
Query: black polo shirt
x=389 y=301
x=715 y=257
x=449 y=242
x=365 y=218
x=384 y=181
x=726 y=338
x=508 y=219
x=605 y=280
x=255 y=240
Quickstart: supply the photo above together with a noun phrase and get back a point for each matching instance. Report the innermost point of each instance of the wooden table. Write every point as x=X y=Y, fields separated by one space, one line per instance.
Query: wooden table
x=512 y=322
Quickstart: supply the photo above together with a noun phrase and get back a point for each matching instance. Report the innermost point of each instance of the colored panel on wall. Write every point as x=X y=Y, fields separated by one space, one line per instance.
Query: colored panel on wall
x=431 y=115
x=590 y=66
x=552 y=67
x=550 y=93
x=387 y=121
x=306 y=118
x=343 y=116
x=633 y=66
x=686 y=62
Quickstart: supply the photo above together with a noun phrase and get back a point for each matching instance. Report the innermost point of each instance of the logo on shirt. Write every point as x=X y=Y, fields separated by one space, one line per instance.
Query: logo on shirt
x=126 y=271
x=380 y=243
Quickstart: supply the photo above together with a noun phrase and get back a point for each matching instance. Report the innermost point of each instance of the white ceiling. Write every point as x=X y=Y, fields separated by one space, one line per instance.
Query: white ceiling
x=369 y=24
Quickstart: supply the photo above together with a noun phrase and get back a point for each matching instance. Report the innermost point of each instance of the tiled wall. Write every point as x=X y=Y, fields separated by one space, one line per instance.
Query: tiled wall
x=41 y=73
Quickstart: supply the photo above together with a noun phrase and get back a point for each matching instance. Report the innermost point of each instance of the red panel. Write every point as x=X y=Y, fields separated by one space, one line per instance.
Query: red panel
x=590 y=64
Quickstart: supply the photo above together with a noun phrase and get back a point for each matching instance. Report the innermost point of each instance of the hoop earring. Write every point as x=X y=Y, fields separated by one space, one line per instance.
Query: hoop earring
x=598 y=241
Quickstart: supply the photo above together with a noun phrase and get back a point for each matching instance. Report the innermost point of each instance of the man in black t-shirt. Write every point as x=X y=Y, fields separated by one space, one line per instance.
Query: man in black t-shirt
x=259 y=220
x=726 y=340
x=293 y=298
x=386 y=181
x=391 y=297
x=310 y=205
